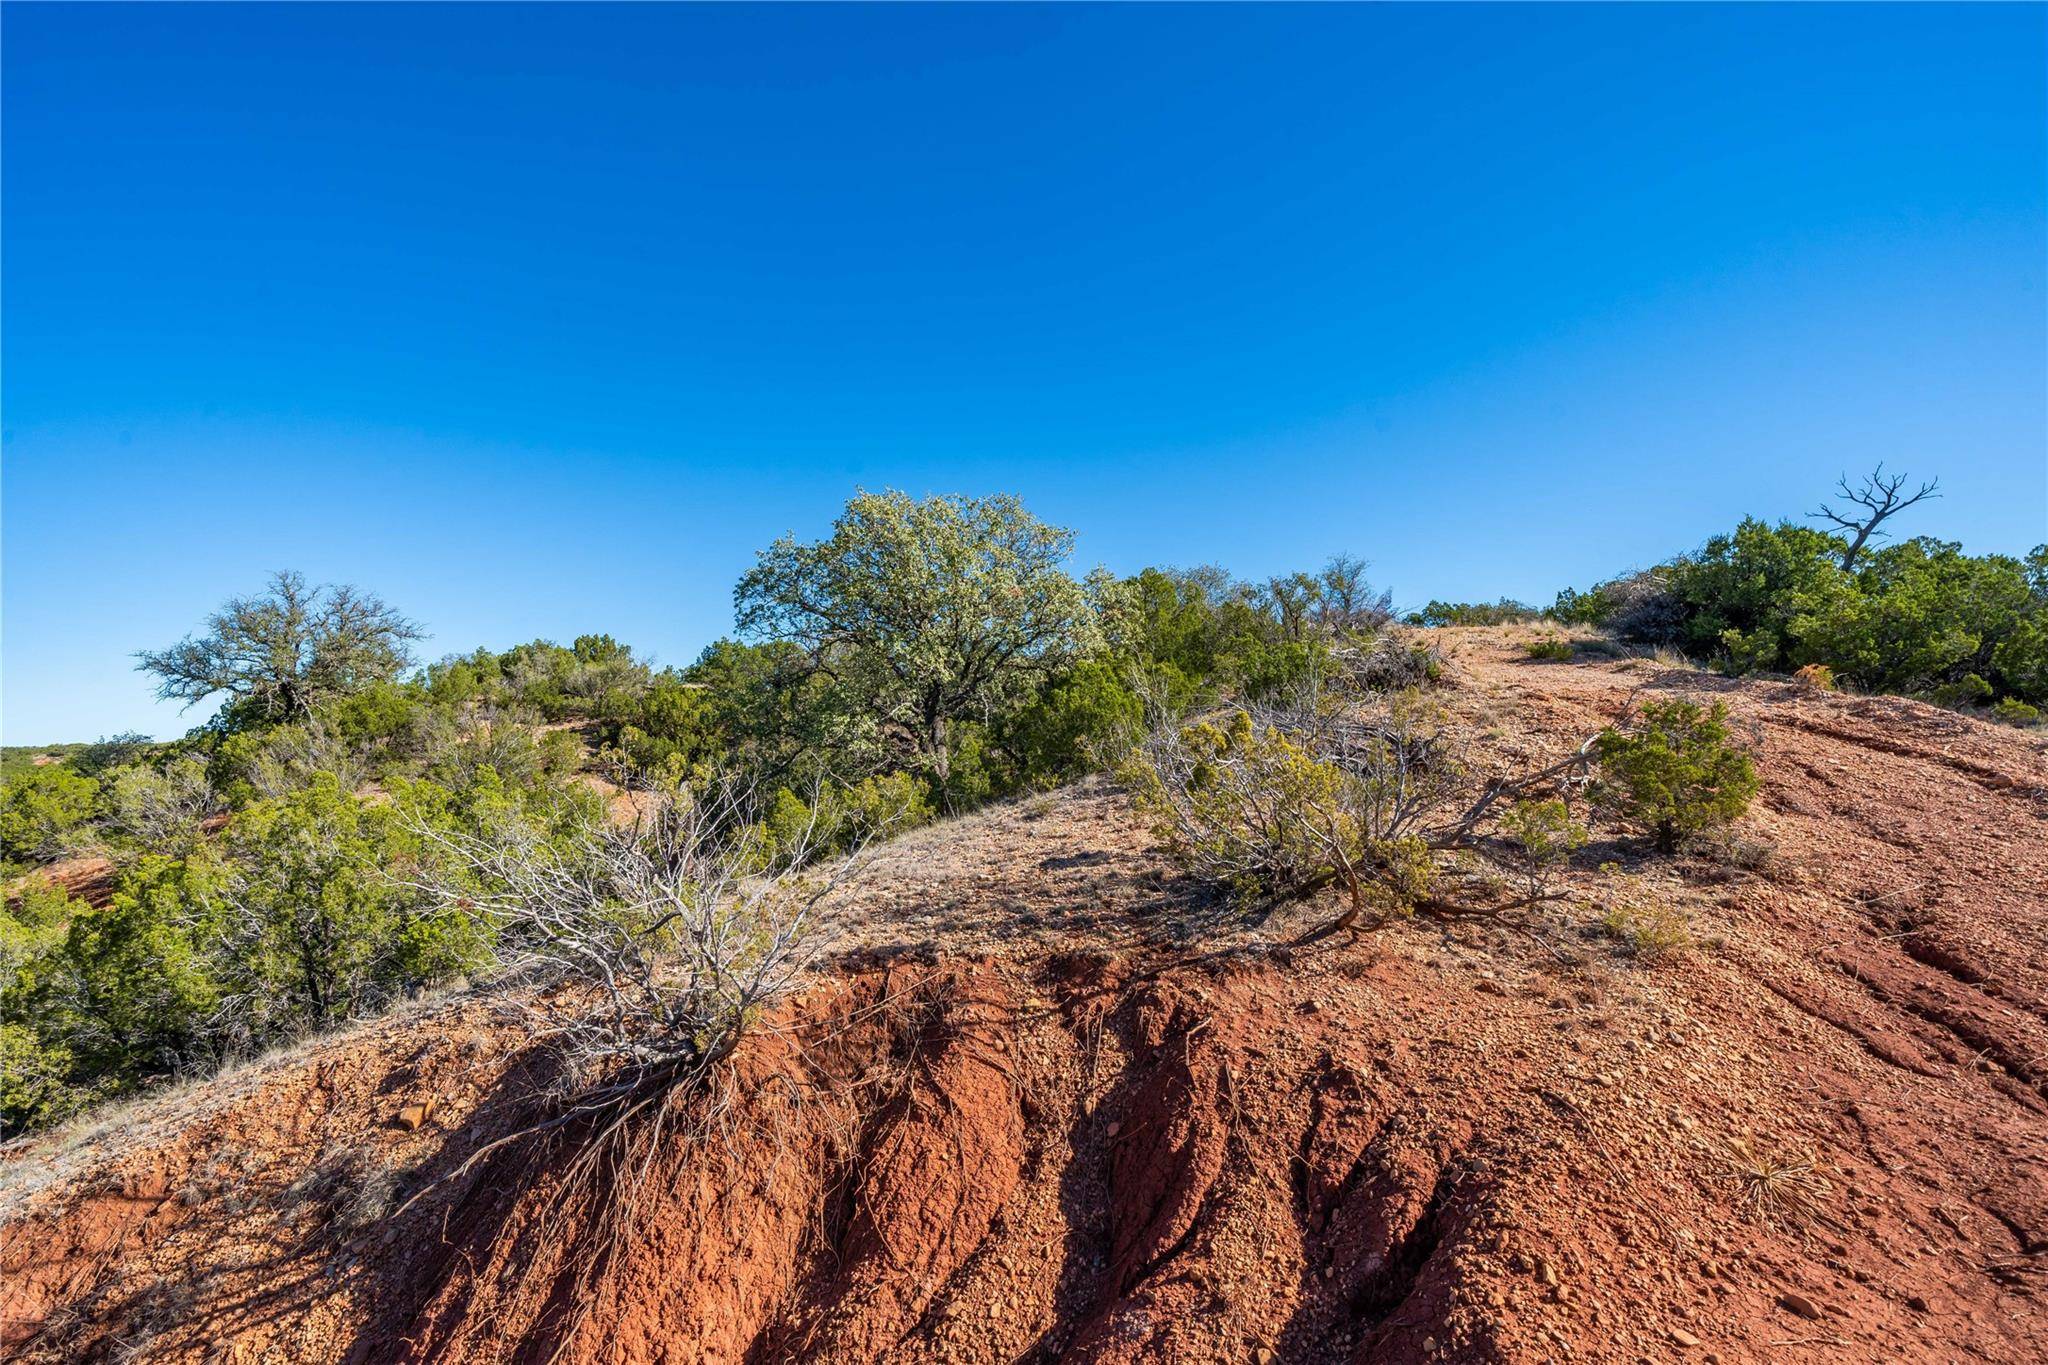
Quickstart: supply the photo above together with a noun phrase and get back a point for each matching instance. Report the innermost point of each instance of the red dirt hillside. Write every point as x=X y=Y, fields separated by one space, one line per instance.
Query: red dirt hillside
x=1039 y=1105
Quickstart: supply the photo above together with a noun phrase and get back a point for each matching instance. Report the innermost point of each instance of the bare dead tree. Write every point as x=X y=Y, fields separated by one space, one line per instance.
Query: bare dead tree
x=1348 y=601
x=1880 y=496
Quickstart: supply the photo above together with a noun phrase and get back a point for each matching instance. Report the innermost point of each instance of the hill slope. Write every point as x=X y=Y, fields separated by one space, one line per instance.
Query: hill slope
x=1041 y=1106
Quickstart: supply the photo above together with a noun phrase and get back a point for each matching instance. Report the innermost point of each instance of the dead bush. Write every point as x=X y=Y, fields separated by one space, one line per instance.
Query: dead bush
x=685 y=925
x=1392 y=661
x=1819 y=677
x=352 y=1186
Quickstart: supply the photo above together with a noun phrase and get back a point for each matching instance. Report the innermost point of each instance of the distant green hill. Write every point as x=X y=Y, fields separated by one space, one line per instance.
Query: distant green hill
x=17 y=758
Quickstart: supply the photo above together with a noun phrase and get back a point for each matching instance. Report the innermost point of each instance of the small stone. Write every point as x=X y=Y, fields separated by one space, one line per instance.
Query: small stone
x=1262 y=1356
x=413 y=1116
x=1916 y=1303
x=1683 y=1337
x=1114 y=1127
x=1546 y=1274
x=1800 y=1306
x=995 y=1310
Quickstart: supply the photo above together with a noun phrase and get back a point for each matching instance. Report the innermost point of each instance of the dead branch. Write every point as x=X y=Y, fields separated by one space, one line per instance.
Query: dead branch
x=1879 y=496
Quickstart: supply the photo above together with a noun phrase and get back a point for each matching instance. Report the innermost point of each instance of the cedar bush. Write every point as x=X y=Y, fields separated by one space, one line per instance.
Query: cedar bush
x=1674 y=773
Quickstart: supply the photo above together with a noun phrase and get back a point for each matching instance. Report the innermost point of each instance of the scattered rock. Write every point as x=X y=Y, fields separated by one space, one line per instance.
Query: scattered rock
x=1683 y=1337
x=414 y=1116
x=1799 y=1305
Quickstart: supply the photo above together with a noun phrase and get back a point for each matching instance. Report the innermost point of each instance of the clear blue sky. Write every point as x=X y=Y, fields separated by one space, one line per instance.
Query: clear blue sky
x=542 y=320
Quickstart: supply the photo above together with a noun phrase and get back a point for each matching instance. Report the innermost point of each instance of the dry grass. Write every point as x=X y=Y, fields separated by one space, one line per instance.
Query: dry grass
x=1655 y=934
x=1787 y=1189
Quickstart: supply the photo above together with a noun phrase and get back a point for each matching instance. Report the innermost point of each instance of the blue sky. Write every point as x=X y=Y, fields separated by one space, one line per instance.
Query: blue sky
x=543 y=320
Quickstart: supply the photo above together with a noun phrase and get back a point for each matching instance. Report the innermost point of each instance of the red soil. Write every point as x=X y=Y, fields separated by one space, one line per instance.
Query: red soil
x=1048 y=1111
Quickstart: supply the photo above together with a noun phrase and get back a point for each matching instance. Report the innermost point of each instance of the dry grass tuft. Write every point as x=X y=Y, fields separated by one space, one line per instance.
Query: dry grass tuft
x=1777 y=1187
x=1652 y=934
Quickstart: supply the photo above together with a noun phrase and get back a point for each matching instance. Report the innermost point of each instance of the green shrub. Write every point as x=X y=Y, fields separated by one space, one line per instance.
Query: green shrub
x=324 y=926
x=131 y=992
x=1087 y=719
x=1549 y=650
x=44 y=813
x=842 y=816
x=1739 y=594
x=105 y=755
x=1968 y=690
x=1244 y=807
x=1503 y=612
x=1545 y=836
x=1674 y=773
x=1272 y=668
x=2013 y=711
x=1919 y=617
x=1261 y=814
x=160 y=810
x=35 y=1082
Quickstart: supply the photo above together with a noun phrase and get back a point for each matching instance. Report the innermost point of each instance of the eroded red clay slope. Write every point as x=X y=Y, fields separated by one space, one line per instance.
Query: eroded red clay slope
x=1023 y=1119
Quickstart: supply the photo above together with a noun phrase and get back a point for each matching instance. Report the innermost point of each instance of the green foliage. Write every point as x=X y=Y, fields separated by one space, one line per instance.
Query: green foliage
x=1248 y=809
x=1921 y=614
x=1272 y=668
x=2013 y=711
x=17 y=759
x=132 y=990
x=924 y=612
x=1741 y=592
x=842 y=817
x=299 y=916
x=279 y=655
x=1262 y=814
x=106 y=755
x=1088 y=719
x=1575 y=608
x=1543 y=833
x=44 y=813
x=160 y=809
x=1674 y=773
x=1501 y=613
x=1919 y=617
x=672 y=727
x=1550 y=649
x=35 y=1082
